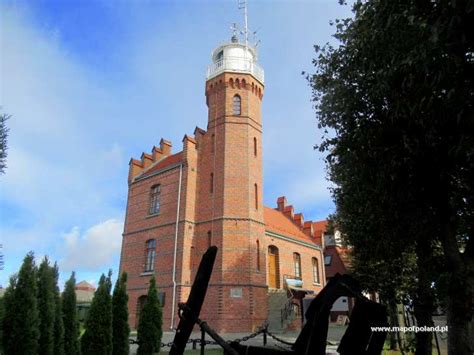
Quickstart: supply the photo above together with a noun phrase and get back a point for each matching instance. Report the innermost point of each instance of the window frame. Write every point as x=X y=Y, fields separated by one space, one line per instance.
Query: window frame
x=315 y=269
x=150 y=255
x=236 y=105
x=155 y=197
x=297 y=265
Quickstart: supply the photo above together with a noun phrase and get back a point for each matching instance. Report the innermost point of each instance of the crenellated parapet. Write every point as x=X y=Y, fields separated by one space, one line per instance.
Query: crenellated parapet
x=235 y=81
x=314 y=230
x=138 y=166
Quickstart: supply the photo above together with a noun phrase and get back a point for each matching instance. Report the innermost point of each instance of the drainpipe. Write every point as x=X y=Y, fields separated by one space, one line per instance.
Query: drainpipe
x=173 y=308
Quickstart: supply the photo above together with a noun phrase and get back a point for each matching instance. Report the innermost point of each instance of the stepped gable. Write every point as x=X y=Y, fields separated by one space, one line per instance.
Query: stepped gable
x=283 y=220
x=277 y=222
x=163 y=163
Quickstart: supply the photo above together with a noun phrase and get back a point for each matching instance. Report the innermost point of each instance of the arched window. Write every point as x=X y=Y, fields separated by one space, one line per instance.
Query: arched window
x=155 y=199
x=254 y=146
x=211 y=184
x=236 y=105
x=315 y=270
x=150 y=255
x=258 y=255
x=297 y=263
x=256 y=196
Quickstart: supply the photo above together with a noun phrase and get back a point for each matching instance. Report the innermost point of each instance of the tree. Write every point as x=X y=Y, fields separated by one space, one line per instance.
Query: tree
x=3 y=141
x=97 y=338
x=149 y=330
x=21 y=317
x=46 y=307
x=9 y=307
x=120 y=327
x=71 y=326
x=58 y=315
x=396 y=102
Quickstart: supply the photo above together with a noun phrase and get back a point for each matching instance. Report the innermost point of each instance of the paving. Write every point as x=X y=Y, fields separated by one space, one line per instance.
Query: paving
x=334 y=336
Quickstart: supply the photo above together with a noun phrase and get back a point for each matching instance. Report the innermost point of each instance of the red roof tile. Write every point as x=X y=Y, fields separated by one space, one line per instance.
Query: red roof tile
x=163 y=163
x=277 y=222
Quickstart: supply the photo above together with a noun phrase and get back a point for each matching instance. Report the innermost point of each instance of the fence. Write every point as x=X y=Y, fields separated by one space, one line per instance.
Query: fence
x=202 y=342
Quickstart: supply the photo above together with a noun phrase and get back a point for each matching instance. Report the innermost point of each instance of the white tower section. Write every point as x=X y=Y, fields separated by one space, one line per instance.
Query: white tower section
x=235 y=57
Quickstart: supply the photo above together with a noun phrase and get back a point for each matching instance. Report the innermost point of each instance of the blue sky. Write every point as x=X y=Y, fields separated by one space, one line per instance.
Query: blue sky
x=91 y=83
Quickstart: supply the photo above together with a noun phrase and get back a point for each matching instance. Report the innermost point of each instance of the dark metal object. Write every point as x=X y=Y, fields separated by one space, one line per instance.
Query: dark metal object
x=358 y=338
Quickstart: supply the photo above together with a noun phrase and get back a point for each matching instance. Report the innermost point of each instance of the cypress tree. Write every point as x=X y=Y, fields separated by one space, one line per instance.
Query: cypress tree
x=9 y=310
x=120 y=328
x=58 y=315
x=2 y=313
x=24 y=321
x=97 y=338
x=46 y=305
x=71 y=326
x=149 y=326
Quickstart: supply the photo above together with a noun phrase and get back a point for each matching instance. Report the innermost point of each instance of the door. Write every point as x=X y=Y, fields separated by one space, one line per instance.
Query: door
x=273 y=267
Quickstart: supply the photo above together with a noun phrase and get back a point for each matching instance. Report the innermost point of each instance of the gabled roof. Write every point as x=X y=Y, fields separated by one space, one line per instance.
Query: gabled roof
x=277 y=222
x=84 y=285
x=163 y=163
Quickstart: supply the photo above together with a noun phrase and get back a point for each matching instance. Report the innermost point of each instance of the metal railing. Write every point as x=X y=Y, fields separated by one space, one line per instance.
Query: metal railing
x=236 y=64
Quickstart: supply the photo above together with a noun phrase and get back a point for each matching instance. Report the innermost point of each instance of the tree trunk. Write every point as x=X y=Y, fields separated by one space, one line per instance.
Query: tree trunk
x=393 y=318
x=423 y=305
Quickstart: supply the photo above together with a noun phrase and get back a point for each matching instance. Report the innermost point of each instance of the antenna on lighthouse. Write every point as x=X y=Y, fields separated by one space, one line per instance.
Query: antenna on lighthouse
x=242 y=4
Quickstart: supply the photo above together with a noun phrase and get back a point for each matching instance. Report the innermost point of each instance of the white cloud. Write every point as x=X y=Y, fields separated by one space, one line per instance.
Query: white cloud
x=94 y=249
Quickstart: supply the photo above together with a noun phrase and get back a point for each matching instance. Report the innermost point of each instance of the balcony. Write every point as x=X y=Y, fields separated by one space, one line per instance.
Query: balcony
x=235 y=64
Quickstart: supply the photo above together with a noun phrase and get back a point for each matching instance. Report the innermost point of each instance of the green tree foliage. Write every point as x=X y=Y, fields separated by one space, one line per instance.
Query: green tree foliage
x=58 y=315
x=46 y=307
x=3 y=141
x=396 y=102
x=9 y=306
x=71 y=325
x=21 y=323
x=97 y=338
x=149 y=330
x=120 y=327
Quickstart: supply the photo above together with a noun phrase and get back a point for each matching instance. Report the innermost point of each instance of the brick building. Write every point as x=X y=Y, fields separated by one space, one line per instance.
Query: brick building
x=210 y=193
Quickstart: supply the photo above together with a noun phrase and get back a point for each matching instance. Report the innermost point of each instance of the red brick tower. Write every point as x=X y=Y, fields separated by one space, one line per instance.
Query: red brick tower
x=230 y=190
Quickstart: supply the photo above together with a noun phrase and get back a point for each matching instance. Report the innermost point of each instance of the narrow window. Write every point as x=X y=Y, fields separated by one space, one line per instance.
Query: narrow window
x=315 y=271
x=209 y=239
x=297 y=262
x=140 y=303
x=236 y=105
x=255 y=146
x=213 y=142
x=256 y=196
x=211 y=186
x=258 y=255
x=155 y=199
x=150 y=255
